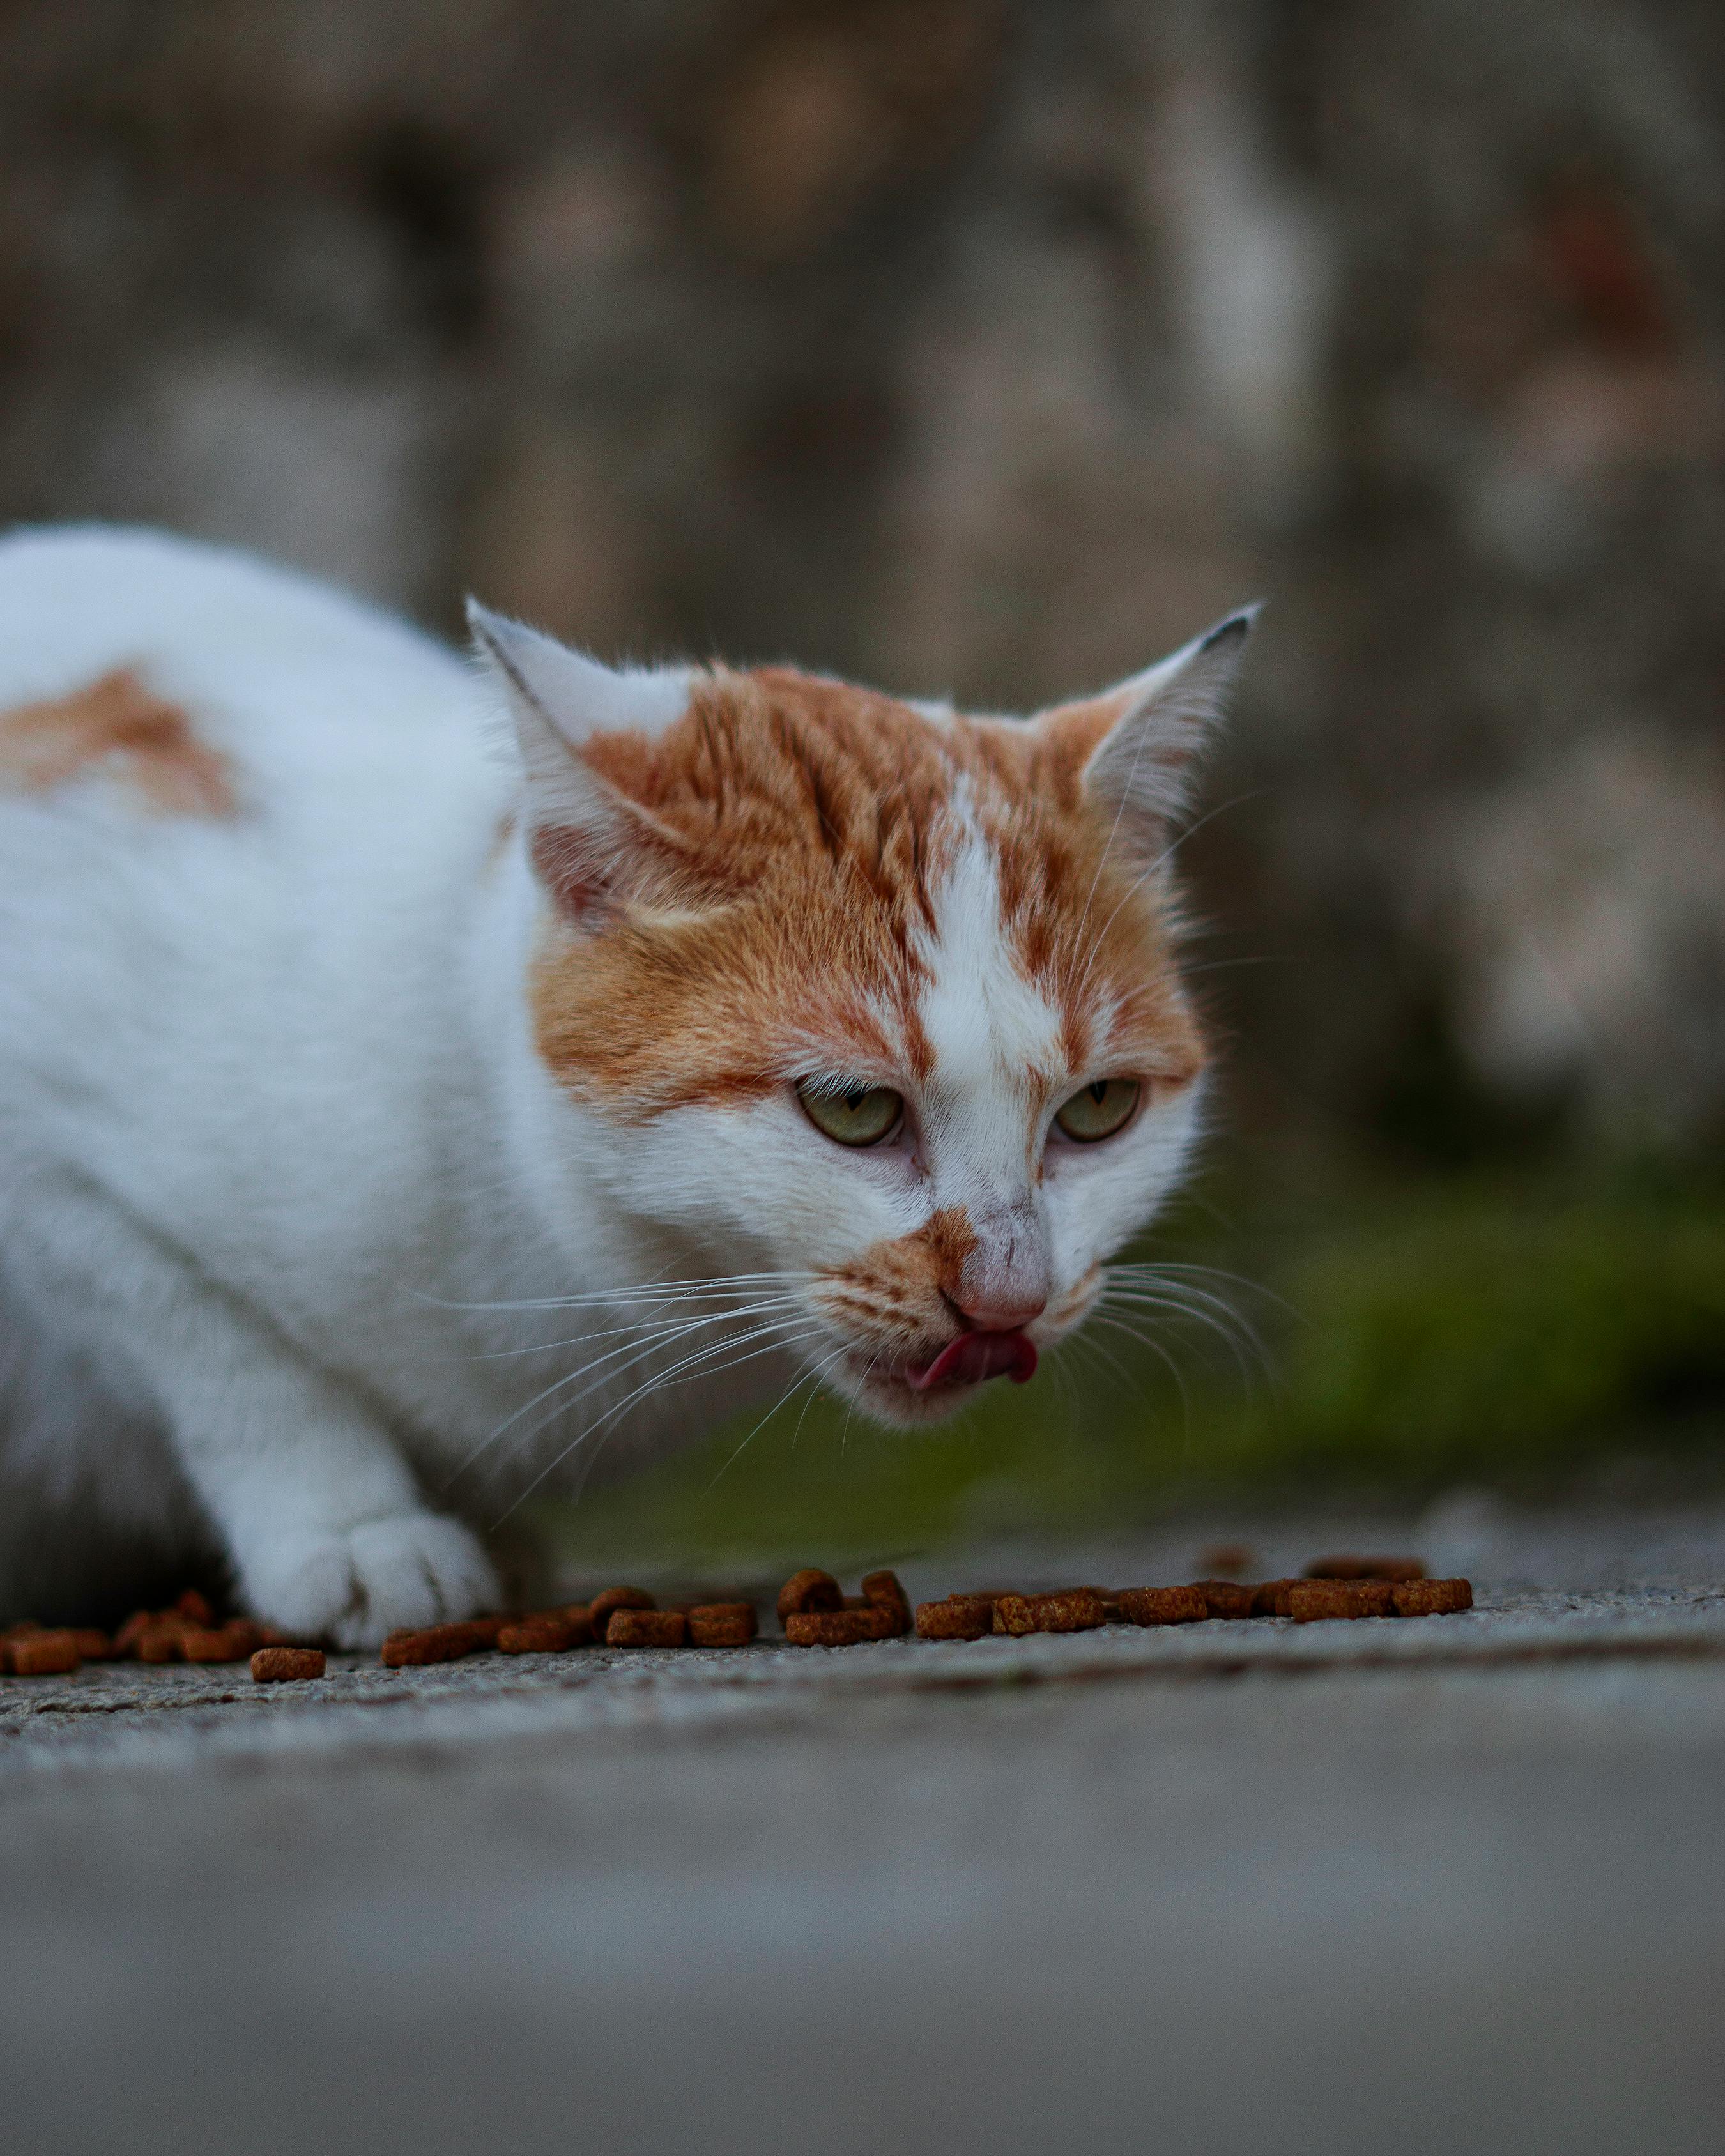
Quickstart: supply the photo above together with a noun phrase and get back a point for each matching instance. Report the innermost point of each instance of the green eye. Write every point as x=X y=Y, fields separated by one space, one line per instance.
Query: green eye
x=1097 y=1111
x=854 y=1115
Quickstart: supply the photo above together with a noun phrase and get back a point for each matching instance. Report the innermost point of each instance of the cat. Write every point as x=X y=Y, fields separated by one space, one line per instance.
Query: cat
x=424 y=1075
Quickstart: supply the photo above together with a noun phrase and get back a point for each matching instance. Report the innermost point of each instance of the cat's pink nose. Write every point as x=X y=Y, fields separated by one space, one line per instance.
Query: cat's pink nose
x=998 y=1313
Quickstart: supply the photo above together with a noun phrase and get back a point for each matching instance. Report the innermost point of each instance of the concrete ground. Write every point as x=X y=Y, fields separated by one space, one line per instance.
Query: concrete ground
x=1451 y=1885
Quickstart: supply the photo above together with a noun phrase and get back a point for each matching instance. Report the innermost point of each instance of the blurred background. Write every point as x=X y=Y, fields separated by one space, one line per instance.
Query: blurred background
x=995 y=346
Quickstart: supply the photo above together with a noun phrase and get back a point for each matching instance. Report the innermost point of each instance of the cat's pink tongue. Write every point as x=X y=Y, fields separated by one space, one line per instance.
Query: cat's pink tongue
x=974 y=1356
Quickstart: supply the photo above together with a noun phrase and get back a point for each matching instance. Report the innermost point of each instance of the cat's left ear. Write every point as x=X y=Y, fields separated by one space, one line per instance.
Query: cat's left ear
x=592 y=844
x=1138 y=745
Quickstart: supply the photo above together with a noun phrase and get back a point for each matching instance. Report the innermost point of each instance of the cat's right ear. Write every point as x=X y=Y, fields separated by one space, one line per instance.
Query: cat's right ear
x=593 y=847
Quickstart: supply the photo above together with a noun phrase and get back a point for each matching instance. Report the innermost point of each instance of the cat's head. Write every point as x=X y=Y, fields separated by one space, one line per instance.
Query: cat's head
x=882 y=1002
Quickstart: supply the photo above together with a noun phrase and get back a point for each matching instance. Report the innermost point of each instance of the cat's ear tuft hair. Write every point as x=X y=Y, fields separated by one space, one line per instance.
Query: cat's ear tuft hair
x=591 y=845
x=1138 y=745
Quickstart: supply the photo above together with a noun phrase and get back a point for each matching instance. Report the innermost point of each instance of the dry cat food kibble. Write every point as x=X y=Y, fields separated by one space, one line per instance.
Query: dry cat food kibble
x=546 y=1632
x=598 y=1610
x=440 y=1643
x=833 y=1628
x=1068 y=1609
x=286 y=1665
x=885 y=1591
x=1366 y=1567
x=1431 y=1598
x=43 y=1655
x=959 y=1617
x=1312 y=1600
x=722 y=1623
x=1224 y=1598
x=647 y=1628
x=1164 y=1605
x=1270 y=1598
x=808 y=1590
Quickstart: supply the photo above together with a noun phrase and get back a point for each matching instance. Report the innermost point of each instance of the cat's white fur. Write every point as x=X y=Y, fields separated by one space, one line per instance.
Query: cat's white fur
x=277 y=1153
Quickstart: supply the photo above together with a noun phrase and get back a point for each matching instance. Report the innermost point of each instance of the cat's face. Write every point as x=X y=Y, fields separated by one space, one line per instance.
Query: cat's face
x=884 y=997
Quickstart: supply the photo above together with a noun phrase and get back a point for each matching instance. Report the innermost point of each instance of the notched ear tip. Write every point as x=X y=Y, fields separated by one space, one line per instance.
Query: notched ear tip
x=1233 y=628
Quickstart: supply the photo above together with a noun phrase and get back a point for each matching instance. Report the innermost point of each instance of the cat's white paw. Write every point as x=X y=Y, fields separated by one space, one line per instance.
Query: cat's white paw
x=356 y=1584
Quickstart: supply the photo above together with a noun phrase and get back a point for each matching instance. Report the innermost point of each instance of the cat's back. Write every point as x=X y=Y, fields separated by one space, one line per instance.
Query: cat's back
x=228 y=792
x=268 y=669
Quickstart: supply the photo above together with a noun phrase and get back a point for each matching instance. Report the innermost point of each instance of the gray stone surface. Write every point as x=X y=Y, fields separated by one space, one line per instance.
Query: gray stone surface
x=1455 y=1884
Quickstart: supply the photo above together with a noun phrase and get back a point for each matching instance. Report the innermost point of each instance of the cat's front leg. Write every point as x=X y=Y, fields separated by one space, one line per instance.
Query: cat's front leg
x=314 y=1500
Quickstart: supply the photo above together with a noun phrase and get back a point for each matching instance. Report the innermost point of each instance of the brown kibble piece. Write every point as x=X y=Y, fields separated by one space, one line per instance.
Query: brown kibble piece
x=1347 y=1567
x=1225 y=1597
x=1270 y=1598
x=125 y=1639
x=1164 y=1605
x=722 y=1624
x=94 y=1644
x=1070 y=1609
x=885 y=1590
x=647 y=1628
x=43 y=1655
x=1431 y=1598
x=833 y=1627
x=544 y=1632
x=600 y=1609
x=204 y=1643
x=808 y=1590
x=192 y=1607
x=160 y=1643
x=960 y=1617
x=1311 y=1600
x=411 y=1649
x=286 y=1665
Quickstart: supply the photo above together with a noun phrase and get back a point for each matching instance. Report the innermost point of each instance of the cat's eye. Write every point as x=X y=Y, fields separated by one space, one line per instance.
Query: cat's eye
x=852 y=1114
x=1098 y=1110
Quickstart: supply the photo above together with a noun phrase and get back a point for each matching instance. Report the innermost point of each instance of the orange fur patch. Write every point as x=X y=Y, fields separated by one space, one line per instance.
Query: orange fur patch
x=904 y=1281
x=116 y=725
x=802 y=829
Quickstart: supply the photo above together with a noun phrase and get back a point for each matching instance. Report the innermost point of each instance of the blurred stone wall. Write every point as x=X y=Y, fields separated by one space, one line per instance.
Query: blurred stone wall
x=994 y=347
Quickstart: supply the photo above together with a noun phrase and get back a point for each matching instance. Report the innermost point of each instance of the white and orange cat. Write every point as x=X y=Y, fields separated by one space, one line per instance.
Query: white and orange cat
x=397 y=1108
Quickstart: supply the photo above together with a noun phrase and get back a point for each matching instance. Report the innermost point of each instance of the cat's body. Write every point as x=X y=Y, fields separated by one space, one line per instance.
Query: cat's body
x=327 y=1043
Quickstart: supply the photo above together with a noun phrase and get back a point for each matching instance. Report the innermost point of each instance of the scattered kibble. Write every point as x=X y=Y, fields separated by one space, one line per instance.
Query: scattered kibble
x=1164 y=1605
x=813 y=1608
x=832 y=1628
x=722 y=1623
x=959 y=1617
x=1224 y=1598
x=885 y=1591
x=43 y=1655
x=412 y=1648
x=1312 y=1600
x=600 y=1609
x=805 y=1592
x=286 y=1665
x=647 y=1628
x=546 y=1632
x=1431 y=1598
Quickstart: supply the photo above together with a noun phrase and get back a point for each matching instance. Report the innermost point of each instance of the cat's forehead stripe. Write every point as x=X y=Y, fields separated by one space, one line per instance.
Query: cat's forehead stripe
x=853 y=875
